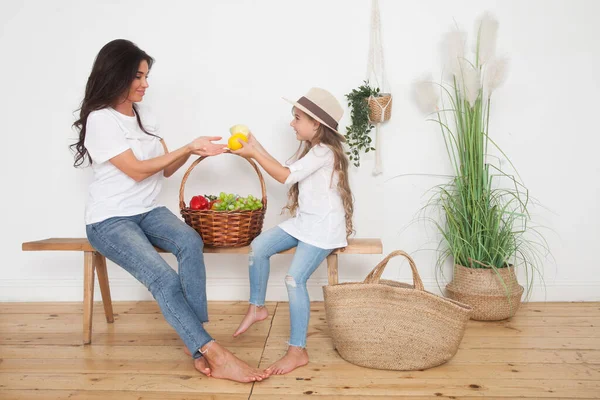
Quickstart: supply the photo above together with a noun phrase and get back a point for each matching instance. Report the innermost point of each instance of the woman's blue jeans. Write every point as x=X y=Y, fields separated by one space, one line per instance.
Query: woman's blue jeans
x=129 y=241
x=306 y=260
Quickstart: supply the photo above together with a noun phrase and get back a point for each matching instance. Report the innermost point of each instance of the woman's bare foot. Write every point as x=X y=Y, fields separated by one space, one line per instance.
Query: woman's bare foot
x=199 y=363
x=294 y=358
x=253 y=315
x=224 y=365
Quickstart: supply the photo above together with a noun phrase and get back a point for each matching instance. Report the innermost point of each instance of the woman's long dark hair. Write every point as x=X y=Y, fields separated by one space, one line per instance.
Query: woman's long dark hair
x=114 y=70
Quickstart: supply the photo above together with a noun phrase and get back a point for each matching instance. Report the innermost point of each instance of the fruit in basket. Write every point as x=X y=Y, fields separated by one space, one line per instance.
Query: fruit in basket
x=232 y=202
x=199 y=203
x=211 y=200
x=239 y=129
x=233 y=143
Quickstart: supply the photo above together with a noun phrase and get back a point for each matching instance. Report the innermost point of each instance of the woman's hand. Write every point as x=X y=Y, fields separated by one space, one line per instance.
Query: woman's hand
x=203 y=146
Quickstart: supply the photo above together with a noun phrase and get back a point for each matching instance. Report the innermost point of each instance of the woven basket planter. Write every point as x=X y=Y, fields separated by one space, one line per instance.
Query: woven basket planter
x=224 y=228
x=391 y=325
x=483 y=289
x=380 y=108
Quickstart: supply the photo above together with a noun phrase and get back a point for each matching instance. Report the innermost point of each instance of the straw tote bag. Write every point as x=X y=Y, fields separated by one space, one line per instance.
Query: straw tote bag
x=391 y=325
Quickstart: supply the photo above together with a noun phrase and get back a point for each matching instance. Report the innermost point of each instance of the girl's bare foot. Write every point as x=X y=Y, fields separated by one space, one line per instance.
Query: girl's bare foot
x=225 y=365
x=253 y=315
x=294 y=358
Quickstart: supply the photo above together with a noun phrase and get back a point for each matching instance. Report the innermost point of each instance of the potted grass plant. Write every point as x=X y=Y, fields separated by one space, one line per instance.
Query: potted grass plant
x=484 y=219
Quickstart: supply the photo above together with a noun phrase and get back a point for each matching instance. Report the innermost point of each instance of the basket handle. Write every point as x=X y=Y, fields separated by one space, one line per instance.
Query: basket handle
x=375 y=275
x=263 y=187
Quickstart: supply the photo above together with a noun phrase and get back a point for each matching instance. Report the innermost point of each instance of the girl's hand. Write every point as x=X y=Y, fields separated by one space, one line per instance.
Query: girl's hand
x=254 y=142
x=248 y=150
x=203 y=146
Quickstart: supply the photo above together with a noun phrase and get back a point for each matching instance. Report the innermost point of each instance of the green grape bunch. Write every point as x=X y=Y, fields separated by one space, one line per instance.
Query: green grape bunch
x=233 y=202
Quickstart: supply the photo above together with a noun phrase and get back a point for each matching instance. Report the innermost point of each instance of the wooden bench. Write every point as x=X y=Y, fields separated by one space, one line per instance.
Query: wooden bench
x=94 y=261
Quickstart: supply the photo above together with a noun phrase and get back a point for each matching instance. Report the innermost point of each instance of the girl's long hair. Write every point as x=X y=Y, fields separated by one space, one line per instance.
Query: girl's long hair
x=330 y=139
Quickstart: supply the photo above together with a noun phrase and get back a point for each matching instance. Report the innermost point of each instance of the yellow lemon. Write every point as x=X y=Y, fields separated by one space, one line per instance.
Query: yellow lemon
x=233 y=144
x=239 y=129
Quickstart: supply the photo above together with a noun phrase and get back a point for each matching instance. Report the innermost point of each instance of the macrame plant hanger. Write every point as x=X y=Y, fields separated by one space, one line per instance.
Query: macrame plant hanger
x=380 y=107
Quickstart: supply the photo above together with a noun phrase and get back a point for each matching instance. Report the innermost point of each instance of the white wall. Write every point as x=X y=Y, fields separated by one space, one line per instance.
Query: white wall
x=227 y=62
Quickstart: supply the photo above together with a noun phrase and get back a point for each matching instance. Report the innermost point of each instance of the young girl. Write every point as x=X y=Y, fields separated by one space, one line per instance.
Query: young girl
x=320 y=201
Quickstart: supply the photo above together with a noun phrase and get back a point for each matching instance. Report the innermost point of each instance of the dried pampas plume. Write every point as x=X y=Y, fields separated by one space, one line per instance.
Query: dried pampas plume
x=425 y=94
x=470 y=82
x=495 y=74
x=486 y=28
x=453 y=51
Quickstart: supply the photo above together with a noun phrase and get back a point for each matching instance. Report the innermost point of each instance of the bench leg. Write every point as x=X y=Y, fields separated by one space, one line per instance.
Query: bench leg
x=332 y=269
x=100 y=266
x=88 y=295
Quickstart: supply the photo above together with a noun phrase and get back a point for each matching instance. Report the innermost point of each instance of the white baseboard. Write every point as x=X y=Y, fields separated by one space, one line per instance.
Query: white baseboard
x=127 y=289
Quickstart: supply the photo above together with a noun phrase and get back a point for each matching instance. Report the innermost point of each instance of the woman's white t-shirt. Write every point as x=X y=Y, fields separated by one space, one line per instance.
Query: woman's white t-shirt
x=112 y=192
x=320 y=218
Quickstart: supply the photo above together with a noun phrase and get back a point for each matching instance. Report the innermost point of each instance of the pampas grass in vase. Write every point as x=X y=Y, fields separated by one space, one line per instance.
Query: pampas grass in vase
x=484 y=220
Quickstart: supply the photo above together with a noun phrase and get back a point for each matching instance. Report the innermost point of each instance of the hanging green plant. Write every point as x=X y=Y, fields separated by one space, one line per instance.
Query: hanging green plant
x=357 y=134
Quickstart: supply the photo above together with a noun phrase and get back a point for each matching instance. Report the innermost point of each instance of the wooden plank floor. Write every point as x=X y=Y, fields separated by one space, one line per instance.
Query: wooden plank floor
x=547 y=351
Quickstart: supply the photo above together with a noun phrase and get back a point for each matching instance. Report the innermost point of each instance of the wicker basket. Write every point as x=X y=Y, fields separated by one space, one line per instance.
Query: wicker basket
x=224 y=228
x=494 y=294
x=380 y=108
x=391 y=325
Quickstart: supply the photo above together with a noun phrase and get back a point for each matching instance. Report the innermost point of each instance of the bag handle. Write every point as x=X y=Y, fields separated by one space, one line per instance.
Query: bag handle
x=375 y=275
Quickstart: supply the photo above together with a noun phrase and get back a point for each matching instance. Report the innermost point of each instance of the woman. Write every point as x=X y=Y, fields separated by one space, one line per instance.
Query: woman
x=123 y=218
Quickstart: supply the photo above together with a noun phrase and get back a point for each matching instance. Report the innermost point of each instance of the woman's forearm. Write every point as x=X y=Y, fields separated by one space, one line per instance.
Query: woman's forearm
x=154 y=165
x=142 y=169
x=175 y=165
x=172 y=168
